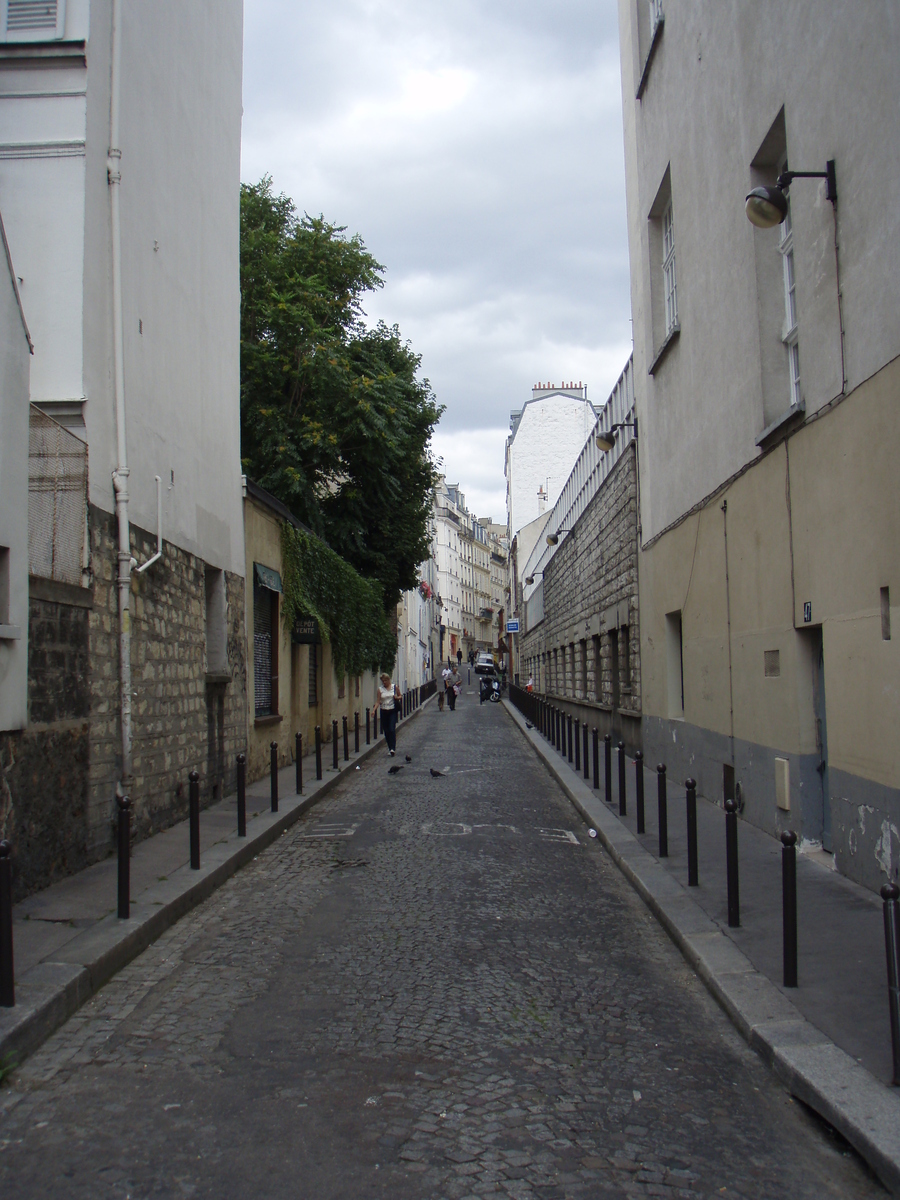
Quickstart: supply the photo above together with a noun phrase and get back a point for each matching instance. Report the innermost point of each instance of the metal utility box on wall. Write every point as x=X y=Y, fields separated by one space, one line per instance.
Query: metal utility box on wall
x=783 y=784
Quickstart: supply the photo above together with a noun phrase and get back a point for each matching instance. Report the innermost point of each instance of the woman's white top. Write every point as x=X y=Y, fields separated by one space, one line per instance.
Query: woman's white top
x=386 y=696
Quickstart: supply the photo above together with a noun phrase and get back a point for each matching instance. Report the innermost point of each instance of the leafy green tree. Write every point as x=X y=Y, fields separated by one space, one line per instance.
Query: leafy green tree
x=334 y=419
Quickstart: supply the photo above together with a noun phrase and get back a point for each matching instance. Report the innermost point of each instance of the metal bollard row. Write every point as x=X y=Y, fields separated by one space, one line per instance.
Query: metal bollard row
x=623 y=799
x=273 y=775
x=690 y=787
x=607 y=745
x=123 y=804
x=194 y=818
x=242 y=795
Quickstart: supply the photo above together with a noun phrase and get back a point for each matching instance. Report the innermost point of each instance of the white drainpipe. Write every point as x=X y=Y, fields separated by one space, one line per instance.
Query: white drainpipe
x=120 y=475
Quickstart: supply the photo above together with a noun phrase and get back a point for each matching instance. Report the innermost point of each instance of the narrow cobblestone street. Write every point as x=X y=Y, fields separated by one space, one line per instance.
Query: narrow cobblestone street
x=430 y=987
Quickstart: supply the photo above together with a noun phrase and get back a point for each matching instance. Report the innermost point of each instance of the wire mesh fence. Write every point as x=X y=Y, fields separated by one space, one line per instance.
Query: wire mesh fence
x=57 y=500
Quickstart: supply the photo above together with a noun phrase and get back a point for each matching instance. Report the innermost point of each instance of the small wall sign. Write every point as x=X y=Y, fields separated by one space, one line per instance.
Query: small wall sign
x=305 y=632
x=807 y=612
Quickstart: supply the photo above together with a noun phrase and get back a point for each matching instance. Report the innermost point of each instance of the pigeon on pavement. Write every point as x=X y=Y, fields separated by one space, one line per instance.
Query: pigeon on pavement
x=528 y=725
x=393 y=770
x=409 y=758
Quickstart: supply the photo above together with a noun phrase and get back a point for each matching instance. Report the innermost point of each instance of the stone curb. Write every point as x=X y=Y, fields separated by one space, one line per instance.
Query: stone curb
x=51 y=991
x=864 y=1110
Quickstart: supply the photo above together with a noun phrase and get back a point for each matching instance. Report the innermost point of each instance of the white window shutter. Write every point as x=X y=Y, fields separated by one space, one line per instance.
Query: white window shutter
x=32 y=20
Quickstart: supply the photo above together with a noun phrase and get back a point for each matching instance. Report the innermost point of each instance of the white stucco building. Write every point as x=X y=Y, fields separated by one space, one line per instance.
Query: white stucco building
x=545 y=438
x=120 y=127
x=14 y=365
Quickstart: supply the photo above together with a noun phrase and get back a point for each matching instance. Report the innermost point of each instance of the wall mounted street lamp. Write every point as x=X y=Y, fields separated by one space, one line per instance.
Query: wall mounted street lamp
x=606 y=440
x=553 y=538
x=529 y=579
x=767 y=207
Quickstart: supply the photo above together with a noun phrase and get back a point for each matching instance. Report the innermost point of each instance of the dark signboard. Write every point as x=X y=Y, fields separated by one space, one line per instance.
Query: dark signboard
x=305 y=632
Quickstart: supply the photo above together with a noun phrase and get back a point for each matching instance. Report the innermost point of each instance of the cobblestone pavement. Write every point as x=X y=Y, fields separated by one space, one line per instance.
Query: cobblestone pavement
x=429 y=988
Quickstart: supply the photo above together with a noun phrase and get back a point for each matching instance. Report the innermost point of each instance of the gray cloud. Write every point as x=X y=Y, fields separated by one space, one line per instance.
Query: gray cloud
x=477 y=148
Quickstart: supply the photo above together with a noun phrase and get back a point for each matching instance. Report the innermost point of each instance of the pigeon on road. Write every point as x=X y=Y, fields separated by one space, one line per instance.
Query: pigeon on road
x=409 y=758
x=393 y=770
x=436 y=774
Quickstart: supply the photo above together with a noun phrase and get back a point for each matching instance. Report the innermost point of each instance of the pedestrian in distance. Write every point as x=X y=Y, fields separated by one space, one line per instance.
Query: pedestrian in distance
x=386 y=701
x=445 y=684
x=454 y=683
x=459 y=658
x=529 y=686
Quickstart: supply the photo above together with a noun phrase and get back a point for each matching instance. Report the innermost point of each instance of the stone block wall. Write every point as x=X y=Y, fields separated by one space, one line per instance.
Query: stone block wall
x=182 y=719
x=58 y=776
x=586 y=651
x=44 y=768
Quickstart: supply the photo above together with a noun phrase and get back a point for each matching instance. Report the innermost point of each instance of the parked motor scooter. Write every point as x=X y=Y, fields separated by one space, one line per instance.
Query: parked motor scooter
x=489 y=689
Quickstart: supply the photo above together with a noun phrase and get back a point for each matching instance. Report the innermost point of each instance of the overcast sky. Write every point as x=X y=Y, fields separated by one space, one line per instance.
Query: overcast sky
x=476 y=147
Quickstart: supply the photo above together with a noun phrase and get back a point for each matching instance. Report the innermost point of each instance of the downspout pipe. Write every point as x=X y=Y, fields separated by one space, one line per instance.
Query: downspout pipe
x=120 y=475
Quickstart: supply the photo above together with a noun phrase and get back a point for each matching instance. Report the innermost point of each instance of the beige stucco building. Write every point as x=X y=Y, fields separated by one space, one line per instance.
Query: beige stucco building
x=292 y=686
x=767 y=383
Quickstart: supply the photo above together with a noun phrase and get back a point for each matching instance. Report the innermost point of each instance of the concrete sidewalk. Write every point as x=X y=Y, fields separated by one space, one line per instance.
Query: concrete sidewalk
x=829 y=1039
x=68 y=940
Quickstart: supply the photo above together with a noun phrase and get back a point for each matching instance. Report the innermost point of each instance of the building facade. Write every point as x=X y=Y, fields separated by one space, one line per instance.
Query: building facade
x=579 y=638
x=768 y=362
x=119 y=164
x=292 y=683
x=14 y=370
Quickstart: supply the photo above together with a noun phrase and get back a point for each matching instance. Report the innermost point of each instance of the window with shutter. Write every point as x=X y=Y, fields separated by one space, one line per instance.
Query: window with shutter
x=32 y=20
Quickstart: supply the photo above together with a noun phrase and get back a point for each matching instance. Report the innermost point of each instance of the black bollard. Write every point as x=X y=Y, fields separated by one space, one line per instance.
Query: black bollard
x=334 y=745
x=595 y=735
x=663 y=807
x=299 y=761
x=356 y=732
x=123 y=803
x=691 y=796
x=273 y=774
x=7 y=973
x=194 y=818
x=623 y=797
x=368 y=739
x=242 y=794
x=890 y=894
x=577 y=744
x=558 y=742
x=789 y=906
x=569 y=737
x=639 y=788
x=318 y=752
x=346 y=733
x=731 y=864
x=607 y=747
x=584 y=751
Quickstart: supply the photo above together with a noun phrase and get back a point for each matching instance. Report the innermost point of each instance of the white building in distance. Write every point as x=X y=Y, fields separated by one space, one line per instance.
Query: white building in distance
x=545 y=438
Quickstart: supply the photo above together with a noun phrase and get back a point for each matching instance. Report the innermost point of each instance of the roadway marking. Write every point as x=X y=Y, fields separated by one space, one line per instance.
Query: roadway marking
x=559 y=835
x=331 y=829
x=461 y=829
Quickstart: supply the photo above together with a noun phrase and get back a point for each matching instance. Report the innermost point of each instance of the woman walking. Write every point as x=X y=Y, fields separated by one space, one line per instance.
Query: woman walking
x=387 y=699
